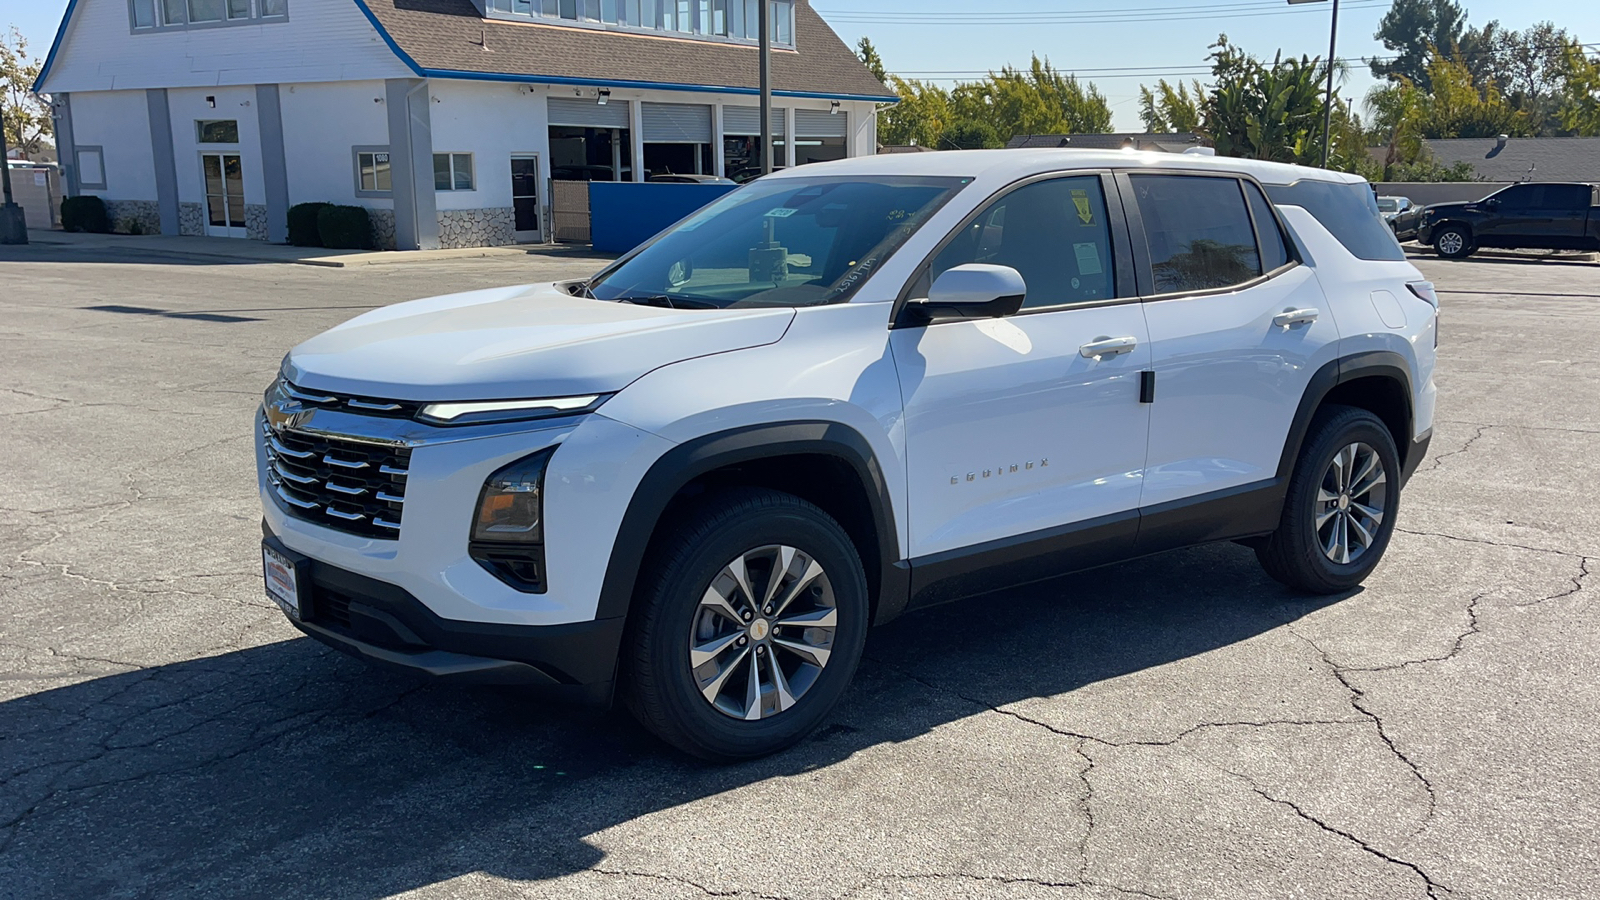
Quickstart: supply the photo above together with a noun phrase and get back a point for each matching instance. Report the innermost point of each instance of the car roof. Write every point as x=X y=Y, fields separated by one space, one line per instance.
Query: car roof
x=1016 y=164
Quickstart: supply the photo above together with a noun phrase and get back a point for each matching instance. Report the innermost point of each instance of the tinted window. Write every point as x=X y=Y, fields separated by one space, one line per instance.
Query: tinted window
x=778 y=242
x=1198 y=231
x=1053 y=232
x=1348 y=211
x=1549 y=196
x=1274 y=248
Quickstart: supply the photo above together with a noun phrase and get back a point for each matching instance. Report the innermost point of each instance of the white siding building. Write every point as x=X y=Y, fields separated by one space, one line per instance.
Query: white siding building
x=446 y=119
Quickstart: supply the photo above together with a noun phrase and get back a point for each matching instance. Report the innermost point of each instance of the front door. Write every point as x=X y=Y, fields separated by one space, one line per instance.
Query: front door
x=224 y=177
x=1236 y=331
x=1017 y=429
x=525 y=198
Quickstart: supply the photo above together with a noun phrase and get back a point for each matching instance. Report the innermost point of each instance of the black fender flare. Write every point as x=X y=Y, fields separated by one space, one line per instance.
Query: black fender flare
x=692 y=459
x=1379 y=363
x=1442 y=224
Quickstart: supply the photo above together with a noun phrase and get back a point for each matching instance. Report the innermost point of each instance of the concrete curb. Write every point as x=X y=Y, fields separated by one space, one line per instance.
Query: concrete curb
x=1426 y=252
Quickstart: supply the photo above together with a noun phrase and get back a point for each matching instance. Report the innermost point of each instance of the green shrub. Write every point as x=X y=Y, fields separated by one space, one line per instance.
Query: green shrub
x=85 y=214
x=303 y=224
x=345 y=227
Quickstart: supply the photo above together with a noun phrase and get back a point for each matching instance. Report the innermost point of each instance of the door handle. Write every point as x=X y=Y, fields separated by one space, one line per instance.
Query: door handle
x=1291 y=317
x=1102 y=347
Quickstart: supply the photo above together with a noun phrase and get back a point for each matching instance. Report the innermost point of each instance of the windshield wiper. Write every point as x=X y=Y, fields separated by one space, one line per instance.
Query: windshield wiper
x=666 y=302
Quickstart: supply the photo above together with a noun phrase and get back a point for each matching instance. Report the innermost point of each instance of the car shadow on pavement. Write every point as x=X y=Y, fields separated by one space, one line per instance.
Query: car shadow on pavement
x=292 y=770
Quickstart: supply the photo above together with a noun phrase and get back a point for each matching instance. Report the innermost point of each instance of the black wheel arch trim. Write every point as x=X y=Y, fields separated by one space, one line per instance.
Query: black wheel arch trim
x=692 y=459
x=1366 y=364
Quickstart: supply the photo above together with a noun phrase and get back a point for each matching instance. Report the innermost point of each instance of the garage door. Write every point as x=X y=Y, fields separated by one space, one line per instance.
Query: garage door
x=820 y=123
x=578 y=113
x=746 y=120
x=676 y=123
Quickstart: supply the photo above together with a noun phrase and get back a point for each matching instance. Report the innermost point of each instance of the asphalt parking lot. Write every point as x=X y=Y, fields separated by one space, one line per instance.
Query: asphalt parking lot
x=1177 y=727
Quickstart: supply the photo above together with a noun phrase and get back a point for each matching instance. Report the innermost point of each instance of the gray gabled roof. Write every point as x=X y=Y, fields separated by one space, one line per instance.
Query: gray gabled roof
x=1523 y=159
x=1114 y=141
x=449 y=39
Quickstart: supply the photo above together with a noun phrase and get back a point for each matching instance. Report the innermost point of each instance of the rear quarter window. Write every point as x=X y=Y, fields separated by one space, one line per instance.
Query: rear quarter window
x=1348 y=211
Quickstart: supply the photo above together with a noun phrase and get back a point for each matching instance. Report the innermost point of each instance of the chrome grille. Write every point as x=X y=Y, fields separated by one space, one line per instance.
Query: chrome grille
x=367 y=406
x=351 y=486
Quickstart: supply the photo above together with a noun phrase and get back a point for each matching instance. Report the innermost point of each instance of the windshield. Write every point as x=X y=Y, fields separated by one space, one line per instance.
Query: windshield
x=778 y=242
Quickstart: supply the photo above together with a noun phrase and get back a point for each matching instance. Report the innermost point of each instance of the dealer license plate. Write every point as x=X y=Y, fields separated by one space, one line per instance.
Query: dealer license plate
x=283 y=583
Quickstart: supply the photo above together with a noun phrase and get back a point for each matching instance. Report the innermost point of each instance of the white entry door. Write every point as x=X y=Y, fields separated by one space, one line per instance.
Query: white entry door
x=224 y=176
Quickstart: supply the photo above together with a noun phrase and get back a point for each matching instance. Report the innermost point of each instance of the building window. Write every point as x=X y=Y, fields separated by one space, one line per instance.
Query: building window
x=373 y=176
x=91 y=167
x=218 y=131
x=736 y=19
x=163 y=14
x=452 y=172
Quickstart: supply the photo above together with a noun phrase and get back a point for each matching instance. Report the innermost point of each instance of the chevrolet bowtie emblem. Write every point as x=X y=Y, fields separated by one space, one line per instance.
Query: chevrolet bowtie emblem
x=286 y=414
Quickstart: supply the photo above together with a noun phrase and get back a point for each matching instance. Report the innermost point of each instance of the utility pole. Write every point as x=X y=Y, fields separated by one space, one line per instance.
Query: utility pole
x=764 y=20
x=1327 y=104
x=13 y=223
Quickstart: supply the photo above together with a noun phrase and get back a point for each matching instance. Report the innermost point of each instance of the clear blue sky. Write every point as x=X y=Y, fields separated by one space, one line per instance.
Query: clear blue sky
x=1118 y=44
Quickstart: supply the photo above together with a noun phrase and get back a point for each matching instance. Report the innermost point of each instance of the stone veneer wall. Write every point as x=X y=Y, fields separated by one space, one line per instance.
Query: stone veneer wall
x=477 y=227
x=255 y=221
x=124 y=214
x=192 y=218
x=382 y=228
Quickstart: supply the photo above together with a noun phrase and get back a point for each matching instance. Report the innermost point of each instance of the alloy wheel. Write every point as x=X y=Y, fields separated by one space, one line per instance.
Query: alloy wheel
x=1350 y=503
x=763 y=632
x=1451 y=242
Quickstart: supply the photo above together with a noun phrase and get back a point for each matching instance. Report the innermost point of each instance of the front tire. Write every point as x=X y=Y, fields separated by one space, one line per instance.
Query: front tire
x=1341 y=504
x=1453 y=242
x=751 y=619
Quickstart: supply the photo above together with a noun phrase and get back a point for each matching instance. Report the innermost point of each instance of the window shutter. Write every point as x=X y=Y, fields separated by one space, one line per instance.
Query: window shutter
x=576 y=112
x=676 y=123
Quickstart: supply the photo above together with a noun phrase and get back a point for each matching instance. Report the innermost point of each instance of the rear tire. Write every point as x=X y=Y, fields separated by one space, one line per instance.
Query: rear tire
x=1453 y=242
x=710 y=617
x=1340 y=508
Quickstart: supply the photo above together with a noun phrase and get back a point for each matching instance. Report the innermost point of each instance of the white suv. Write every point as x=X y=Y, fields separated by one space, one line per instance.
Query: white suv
x=839 y=393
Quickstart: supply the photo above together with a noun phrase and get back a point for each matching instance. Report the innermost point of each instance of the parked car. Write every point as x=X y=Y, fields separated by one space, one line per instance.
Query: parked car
x=841 y=392
x=1405 y=224
x=689 y=179
x=1392 y=207
x=1531 y=215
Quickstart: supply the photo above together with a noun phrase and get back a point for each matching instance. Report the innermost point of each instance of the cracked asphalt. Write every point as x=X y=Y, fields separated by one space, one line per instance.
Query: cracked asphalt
x=1176 y=727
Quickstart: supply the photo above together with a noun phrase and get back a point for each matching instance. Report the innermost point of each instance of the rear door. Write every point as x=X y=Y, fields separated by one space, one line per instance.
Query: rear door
x=1235 y=323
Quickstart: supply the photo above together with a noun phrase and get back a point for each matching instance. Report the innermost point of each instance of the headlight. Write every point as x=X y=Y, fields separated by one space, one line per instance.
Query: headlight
x=511 y=506
x=508 y=525
x=477 y=412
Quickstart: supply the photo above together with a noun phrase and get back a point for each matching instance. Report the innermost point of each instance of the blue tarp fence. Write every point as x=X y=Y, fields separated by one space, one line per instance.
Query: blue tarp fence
x=623 y=215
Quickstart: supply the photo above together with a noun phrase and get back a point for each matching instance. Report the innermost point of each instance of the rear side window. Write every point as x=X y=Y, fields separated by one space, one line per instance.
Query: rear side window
x=1274 y=248
x=1198 y=231
x=1348 y=211
x=1052 y=232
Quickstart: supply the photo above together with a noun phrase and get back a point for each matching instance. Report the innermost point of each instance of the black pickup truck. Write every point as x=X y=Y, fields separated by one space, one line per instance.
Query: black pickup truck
x=1530 y=215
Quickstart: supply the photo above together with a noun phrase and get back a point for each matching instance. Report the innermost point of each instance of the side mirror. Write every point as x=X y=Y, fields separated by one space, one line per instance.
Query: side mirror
x=972 y=291
x=1492 y=202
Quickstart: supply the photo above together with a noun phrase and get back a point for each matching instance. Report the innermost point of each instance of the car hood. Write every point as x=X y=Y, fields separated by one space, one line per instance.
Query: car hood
x=517 y=342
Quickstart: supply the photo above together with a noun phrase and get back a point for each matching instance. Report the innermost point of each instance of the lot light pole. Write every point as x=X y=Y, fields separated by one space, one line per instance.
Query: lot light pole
x=1327 y=104
x=13 y=223
x=764 y=22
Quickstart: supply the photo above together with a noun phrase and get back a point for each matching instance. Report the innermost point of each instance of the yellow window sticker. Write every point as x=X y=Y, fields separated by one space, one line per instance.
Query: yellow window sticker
x=1080 y=199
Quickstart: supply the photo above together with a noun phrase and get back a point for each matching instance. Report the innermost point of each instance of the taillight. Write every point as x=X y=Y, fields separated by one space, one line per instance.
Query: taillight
x=1424 y=291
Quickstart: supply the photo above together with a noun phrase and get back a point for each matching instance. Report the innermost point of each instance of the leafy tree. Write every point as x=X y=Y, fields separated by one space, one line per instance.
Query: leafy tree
x=1173 y=109
x=921 y=116
x=1430 y=169
x=971 y=134
x=1038 y=100
x=1528 y=67
x=1411 y=29
x=1265 y=112
x=1580 y=94
x=1457 y=107
x=870 y=58
x=26 y=115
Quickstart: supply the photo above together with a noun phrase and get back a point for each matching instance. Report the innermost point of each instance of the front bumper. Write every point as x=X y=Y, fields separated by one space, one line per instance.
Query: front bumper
x=384 y=624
